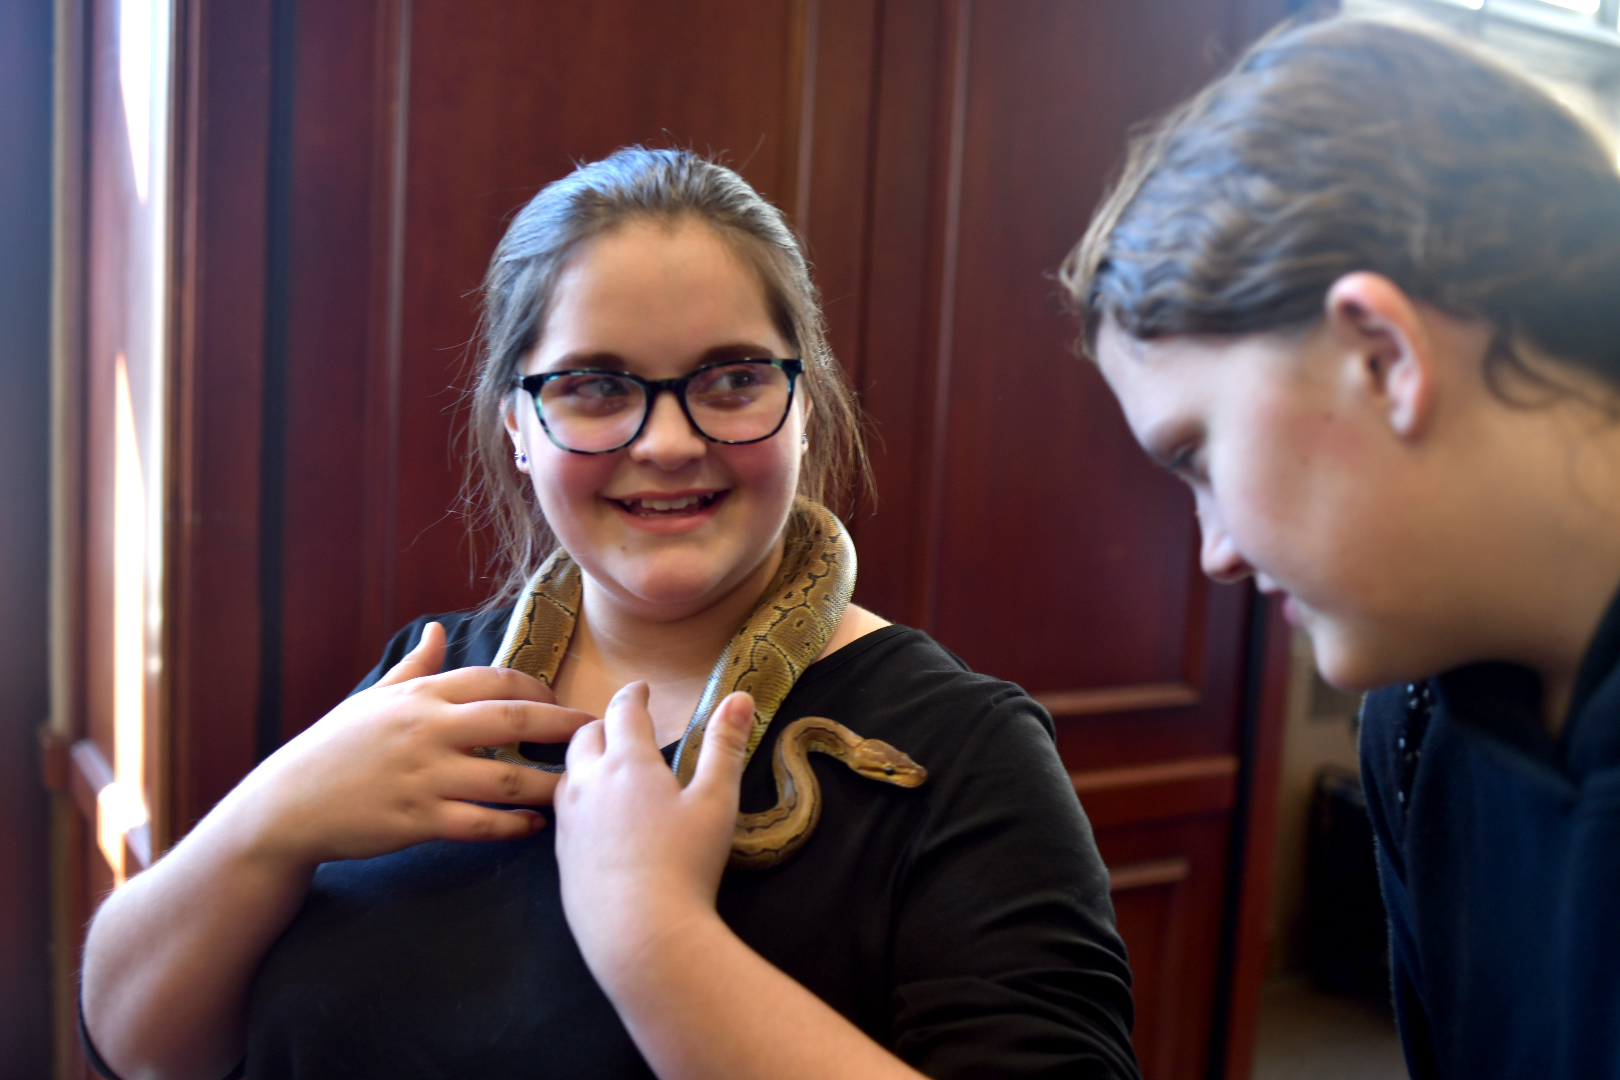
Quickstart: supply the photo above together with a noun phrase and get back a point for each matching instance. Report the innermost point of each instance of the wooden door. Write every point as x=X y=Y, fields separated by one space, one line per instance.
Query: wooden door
x=1017 y=521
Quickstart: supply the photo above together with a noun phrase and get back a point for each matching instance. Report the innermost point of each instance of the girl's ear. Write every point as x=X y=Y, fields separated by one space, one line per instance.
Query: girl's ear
x=1384 y=337
x=509 y=418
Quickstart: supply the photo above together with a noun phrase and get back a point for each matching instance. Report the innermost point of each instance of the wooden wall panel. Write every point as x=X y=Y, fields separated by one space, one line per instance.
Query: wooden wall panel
x=1167 y=875
x=222 y=165
x=337 y=392
x=1007 y=443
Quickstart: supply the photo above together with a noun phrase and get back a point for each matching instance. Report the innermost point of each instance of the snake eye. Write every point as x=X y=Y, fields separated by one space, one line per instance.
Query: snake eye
x=888 y=770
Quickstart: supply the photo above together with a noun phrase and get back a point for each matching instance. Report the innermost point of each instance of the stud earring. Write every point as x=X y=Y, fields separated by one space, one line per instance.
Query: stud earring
x=522 y=459
x=804 y=440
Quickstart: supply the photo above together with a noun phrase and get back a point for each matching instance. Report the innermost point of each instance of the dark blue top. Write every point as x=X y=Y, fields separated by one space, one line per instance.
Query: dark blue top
x=1499 y=856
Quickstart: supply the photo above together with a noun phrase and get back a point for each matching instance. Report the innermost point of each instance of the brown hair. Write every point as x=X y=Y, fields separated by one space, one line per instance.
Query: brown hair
x=1352 y=145
x=662 y=185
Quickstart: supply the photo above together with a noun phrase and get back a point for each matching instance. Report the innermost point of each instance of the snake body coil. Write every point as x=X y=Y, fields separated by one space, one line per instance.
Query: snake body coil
x=799 y=611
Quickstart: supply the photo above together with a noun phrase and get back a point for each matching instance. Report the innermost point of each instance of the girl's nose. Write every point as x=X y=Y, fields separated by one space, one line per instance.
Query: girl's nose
x=1219 y=555
x=668 y=440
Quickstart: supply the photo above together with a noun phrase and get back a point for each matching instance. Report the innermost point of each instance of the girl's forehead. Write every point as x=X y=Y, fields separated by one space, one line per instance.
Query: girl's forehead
x=654 y=293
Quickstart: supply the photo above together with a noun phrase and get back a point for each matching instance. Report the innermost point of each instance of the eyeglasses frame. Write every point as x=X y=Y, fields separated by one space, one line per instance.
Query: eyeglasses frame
x=532 y=384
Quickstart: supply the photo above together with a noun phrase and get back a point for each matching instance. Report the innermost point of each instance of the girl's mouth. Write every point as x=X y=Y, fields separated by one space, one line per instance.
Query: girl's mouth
x=675 y=506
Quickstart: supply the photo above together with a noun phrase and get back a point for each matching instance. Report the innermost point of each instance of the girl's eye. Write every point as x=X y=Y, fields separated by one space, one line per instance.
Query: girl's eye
x=591 y=385
x=1184 y=462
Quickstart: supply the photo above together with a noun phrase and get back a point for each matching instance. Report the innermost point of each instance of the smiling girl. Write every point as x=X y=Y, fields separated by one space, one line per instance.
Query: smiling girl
x=655 y=392
x=1363 y=295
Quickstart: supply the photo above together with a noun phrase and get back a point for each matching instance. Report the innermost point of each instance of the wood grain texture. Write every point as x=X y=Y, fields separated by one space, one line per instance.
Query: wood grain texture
x=1167 y=903
x=1251 y=946
x=223 y=215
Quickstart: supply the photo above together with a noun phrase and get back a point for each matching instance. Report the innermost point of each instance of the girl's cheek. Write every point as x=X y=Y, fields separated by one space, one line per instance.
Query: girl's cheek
x=768 y=465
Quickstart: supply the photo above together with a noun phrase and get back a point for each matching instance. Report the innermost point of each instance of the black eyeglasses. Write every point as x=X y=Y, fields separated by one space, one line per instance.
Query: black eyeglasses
x=591 y=411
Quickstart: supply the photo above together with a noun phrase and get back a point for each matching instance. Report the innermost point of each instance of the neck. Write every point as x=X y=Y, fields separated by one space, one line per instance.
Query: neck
x=617 y=642
x=1557 y=505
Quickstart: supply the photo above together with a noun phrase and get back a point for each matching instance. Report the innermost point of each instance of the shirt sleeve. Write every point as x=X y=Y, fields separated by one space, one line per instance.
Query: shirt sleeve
x=1381 y=718
x=1006 y=957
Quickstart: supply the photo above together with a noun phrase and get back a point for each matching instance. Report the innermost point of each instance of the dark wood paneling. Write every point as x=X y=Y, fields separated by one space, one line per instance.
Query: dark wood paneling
x=1135 y=794
x=1164 y=831
x=1008 y=444
x=895 y=373
x=1250 y=945
x=339 y=387
x=223 y=72
x=1168 y=879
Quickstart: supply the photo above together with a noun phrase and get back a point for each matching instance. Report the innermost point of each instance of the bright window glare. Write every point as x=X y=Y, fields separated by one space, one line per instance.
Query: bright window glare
x=120 y=806
x=1585 y=7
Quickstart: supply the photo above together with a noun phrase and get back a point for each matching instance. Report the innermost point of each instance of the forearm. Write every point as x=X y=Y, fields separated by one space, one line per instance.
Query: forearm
x=700 y=1003
x=170 y=956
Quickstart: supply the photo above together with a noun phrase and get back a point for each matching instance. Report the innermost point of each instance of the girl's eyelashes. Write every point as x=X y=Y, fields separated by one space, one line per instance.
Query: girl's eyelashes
x=1184 y=463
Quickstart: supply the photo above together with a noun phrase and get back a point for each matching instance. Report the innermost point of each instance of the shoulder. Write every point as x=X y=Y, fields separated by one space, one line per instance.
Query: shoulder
x=471 y=640
x=907 y=677
x=971 y=731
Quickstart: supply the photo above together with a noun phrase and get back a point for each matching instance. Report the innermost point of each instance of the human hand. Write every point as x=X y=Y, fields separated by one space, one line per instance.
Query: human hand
x=638 y=855
x=390 y=766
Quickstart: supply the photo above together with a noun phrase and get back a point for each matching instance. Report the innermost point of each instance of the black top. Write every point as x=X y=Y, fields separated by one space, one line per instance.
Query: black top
x=965 y=924
x=1499 y=860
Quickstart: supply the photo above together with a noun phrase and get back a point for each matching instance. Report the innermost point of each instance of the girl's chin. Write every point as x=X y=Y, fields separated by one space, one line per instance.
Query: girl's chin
x=674 y=589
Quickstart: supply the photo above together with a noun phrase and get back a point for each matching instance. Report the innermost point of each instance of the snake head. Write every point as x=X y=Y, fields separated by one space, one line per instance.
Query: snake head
x=877 y=760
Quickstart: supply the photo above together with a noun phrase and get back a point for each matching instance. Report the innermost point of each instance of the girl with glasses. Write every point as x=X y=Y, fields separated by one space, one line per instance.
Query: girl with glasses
x=657 y=419
x=1360 y=294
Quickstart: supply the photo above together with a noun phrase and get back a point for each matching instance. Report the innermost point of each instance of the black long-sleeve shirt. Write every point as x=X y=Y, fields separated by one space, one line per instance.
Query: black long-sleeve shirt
x=965 y=924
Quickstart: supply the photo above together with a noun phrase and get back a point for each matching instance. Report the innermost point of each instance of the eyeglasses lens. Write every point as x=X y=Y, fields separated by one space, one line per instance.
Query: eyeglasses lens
x=599 y=410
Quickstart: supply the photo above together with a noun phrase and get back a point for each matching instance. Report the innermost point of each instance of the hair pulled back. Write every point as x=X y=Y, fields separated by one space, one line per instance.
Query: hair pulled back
x=638 y=184
x=1350 y=145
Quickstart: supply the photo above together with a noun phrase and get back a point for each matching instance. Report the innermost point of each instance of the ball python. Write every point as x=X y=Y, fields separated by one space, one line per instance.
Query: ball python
x=797 y=614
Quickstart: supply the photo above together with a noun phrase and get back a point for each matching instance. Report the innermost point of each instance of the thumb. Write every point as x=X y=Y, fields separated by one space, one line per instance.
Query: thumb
x=725 y=744
x=426 y=659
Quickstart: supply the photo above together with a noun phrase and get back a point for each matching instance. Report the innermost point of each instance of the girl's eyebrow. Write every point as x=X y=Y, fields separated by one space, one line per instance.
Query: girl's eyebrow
x=595 y=360
x=739 y=351
x=608 y=361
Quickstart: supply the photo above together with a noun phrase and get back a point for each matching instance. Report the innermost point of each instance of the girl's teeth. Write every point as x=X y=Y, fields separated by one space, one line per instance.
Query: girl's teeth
x=666 y=505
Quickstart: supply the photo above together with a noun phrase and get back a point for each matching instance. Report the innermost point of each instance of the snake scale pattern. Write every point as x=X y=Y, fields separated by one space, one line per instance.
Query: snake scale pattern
x=799 y=611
